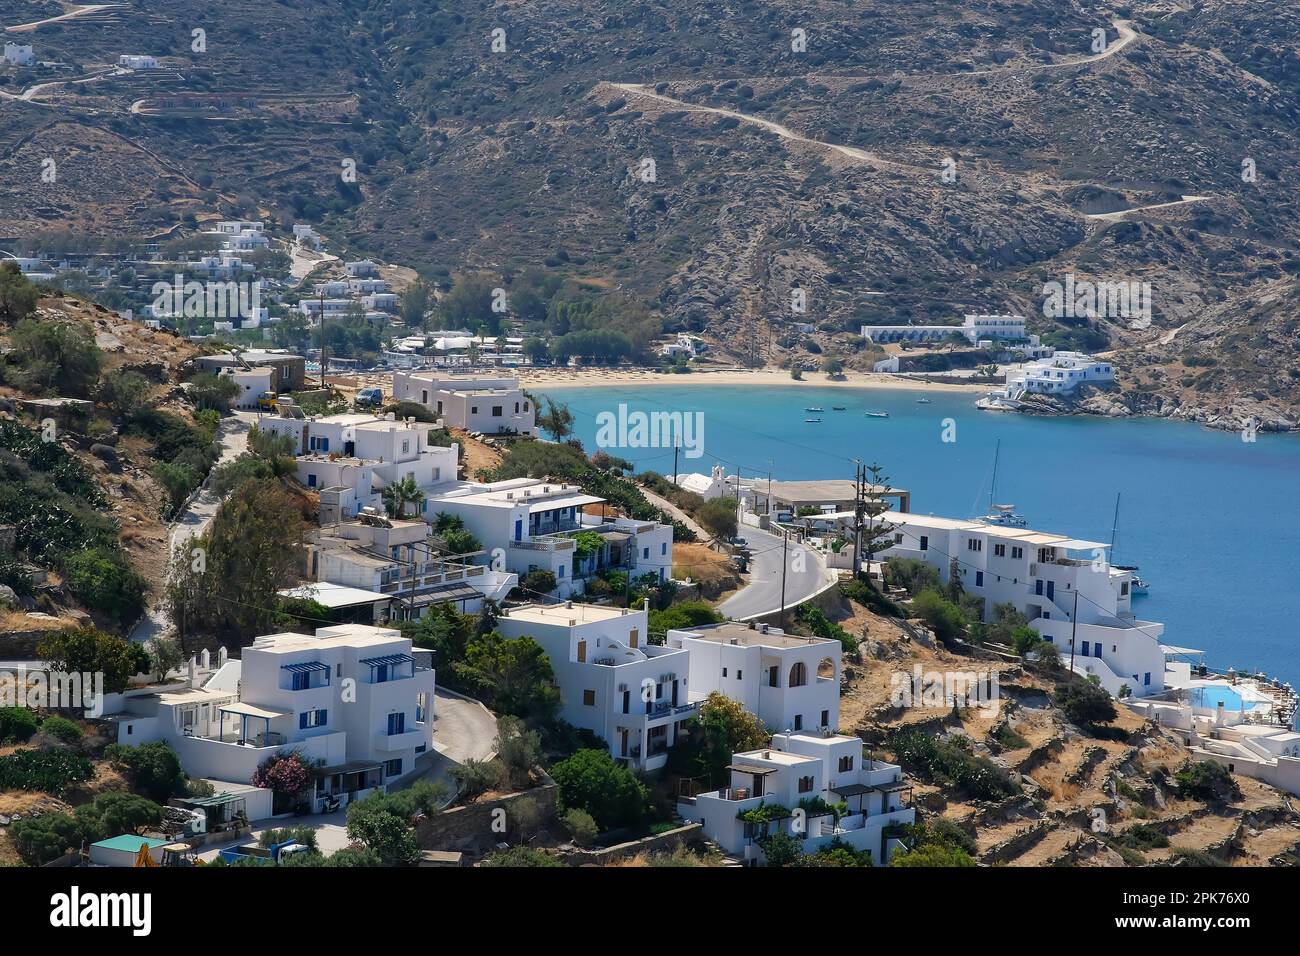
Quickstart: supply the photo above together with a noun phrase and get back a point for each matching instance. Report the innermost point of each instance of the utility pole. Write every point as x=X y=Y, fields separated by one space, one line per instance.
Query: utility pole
x=857 y=519
x=675 y=448
x=785 y=541
x=1074 y=626
x=322 y=339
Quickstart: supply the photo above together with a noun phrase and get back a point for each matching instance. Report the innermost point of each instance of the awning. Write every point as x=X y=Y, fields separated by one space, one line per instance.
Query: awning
x=852 y=789
x=458 y=591
x=894 y=787
x=388 y=660
x=749 y=768
x=305 y=668
x=1171 y=649
x=251 y=710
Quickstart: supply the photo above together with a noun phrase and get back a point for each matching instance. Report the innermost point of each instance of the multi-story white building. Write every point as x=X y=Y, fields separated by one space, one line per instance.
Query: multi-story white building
x=1061 y=372
x=352 y=699
x=361 y=269
x=385 y=302
x=396 y=559
x=789 y=682
x=332 y=308
x=799 y=778
x=234 y=227
x=487 y=405
x=1065 y=598
x=19 y=54
x=365 y=286
x=612 y=681
x=359 y=455
x=252 y=383
x=974 y=329
x=540 y=524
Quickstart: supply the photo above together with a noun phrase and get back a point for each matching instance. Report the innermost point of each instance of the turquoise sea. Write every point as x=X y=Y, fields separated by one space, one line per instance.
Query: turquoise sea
x=1210 y=520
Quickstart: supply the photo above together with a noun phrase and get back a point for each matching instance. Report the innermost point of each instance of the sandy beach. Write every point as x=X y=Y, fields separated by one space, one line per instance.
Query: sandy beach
x=596 y=377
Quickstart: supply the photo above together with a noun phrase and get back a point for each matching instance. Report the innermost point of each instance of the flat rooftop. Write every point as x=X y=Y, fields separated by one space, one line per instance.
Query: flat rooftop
x=345 y=635
x=334 y=596
x=781 y=757
x=1022 y=535
x=562 y=614
x=827 y=489
x=743 y=635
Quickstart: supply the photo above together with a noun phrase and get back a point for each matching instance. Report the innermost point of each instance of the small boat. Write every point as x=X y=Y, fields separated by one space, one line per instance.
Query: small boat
x=815 y=408
x=923 y=401
x=1136 y=585
x=1006 y=516
x=837 y=408
x=812 y=421
x=876 y=414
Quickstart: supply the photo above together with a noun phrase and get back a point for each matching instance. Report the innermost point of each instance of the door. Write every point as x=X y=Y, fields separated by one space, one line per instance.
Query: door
x=519 y=529
x=636 y=634
x=675 y=693
x=623 y=742
x=1051 y=590
x=582 y=652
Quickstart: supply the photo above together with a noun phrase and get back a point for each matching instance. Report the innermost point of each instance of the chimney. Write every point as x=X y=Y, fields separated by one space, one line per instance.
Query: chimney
x=205 y=659
x=222 y=655
x=192 y=678
x=568 y=604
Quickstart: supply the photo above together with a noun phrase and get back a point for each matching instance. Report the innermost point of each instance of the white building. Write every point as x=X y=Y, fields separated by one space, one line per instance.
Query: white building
x=1035 y=571
x=974 y=329
x=360 y=454
x=539 y=525
x=394 y=559
x=684 y=346
x=486 y=405
x=234 y=227
x=19 y=54
x=333 y=308
x=380 y=301
x=333 y=289
x=252 y=382
x=305 y=235
x=351 y=699
x=361 y=269
x=788 y=682
x=799 y=779
x=365 y=286
x=1058 y=374
x=712 y=485
x=630 y=693
x=133 y=61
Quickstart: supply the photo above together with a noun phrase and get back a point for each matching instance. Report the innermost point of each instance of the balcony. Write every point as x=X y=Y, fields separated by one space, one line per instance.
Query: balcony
x=544 y=543
x=392 y=743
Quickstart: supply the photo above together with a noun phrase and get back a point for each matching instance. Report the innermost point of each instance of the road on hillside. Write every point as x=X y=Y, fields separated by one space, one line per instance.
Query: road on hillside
x=805 y=575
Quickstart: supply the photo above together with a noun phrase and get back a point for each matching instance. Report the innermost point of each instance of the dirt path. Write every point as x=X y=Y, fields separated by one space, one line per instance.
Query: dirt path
x=849 y=152
x=1120 y=214
x=75 y=12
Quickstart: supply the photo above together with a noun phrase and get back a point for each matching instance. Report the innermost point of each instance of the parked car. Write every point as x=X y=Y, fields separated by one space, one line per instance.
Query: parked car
x=373 y=397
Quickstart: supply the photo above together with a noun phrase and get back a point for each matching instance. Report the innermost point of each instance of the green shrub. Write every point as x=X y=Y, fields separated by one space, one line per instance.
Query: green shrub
x=590 y=780
x=104 y=582
x=1207 y=781
x=62 y=729
x=949 y=760
x=519 y=856
x=153 y=768
x=17 y=724
x=51 y=771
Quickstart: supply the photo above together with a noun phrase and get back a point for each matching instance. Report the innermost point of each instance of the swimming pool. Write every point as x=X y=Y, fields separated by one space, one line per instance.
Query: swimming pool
x=1217 y=694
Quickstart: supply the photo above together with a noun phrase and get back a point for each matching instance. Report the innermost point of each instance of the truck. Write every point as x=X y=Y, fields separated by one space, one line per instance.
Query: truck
x=272 y=855
x=266 y=402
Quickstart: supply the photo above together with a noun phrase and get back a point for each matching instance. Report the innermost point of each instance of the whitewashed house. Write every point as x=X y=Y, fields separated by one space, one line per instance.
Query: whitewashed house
x=132 y=61
x=361 y=269
x=380 y=301
x=252 y=383
x=487 y=405
x=537 y=524
x=613 y=682
x=1051 y=579
x=790 y=683
x=19 y=54
x=395 y=559
x=362 y=454
x=365 y=286
x=710 y=486
x=351 y=699
x=796 y=786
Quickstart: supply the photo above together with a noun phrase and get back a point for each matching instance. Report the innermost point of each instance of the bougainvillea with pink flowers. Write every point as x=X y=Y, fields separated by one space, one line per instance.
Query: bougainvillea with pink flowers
x=283 y=773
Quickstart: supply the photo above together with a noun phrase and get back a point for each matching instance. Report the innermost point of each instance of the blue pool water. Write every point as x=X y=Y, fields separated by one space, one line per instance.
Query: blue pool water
x=1210 y=519
x=1214 y=696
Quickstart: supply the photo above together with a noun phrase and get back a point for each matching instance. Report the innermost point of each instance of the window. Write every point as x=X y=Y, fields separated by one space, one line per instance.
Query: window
x=473 y=410
x=393 y=768
x=396 y=723
x=826 y=718
x=979 y=579
x=805 y=784
x=724 y=672
x=798 y=721
x=925 y=542
x=974 y=544
x=312 y=718
x=588 y=698
x=663 y=549
x=999 y=551
x=1017 y=552
x=798 y=674
x=406 y=446
x=311 y=481
x=525 y=406
x=846 y=764
x=740 y=674
x=645 y=554
x=496 y=411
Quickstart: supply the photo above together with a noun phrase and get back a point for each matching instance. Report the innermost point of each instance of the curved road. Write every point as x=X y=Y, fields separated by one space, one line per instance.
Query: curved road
x=806 y=575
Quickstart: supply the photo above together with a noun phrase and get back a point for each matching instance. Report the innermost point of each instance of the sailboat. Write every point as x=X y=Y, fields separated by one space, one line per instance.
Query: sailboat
x=1136 y=585
x=1004 y=515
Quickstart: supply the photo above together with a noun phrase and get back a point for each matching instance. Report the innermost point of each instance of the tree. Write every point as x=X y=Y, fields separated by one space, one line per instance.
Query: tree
x=208 y=390
x=1207 y=781
x=518 y=749
x=781 y=849
x=878 y=534
x=722 y=728
x=116 y=812
x=125 y=392
x=42 y=839
x=399 y=494
x=17 y=294
x=538 y=581
x=276 y=449
x=165 y=655
x=59 y=356
x=718 y=517
x=832 y=366
x=227 y=582
x=1084 y=703
x=932 y=855
x=104 y=582
x=580 y=826
x=557 y=420
x=939 y=614
x=476 y=777
x=590 y=780
x=512 y=675
x=153 y=768
x=86 y=650
x=988 y=372
x=384 y=822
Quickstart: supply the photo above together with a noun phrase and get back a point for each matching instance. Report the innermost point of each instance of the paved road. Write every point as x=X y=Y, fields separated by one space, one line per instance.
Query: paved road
x=806 y=574
x=233 y=438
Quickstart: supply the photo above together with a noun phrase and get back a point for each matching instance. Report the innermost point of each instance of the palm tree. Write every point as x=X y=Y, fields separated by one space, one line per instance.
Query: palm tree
x=399 y=494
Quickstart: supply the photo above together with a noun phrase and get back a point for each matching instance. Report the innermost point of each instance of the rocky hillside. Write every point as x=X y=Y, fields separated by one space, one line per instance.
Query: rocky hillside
x=1077 y=796
x=896 y=161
